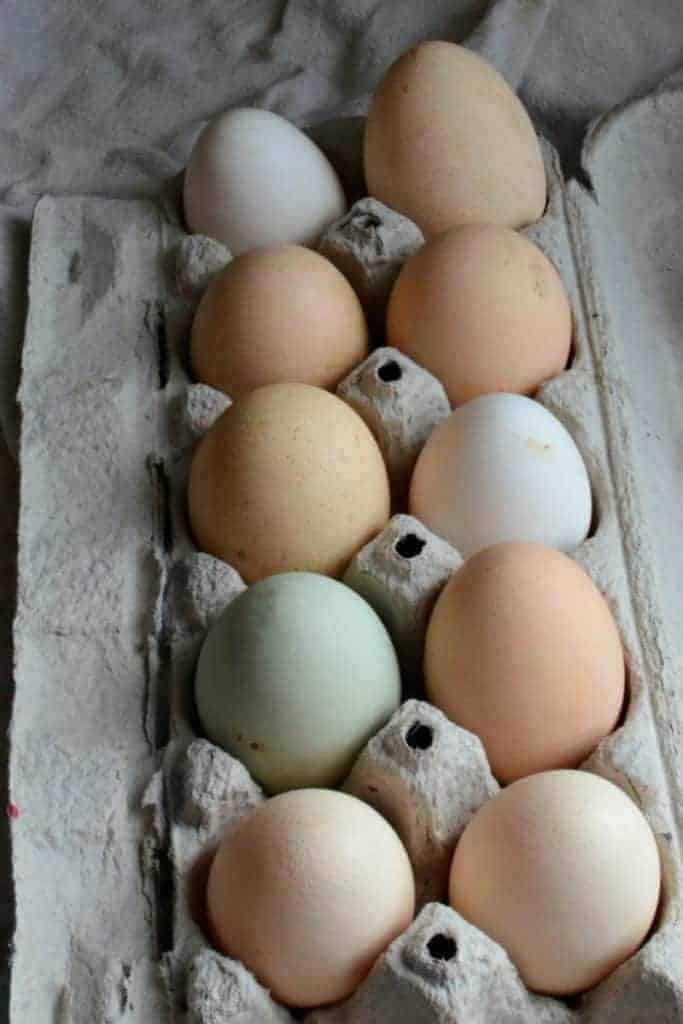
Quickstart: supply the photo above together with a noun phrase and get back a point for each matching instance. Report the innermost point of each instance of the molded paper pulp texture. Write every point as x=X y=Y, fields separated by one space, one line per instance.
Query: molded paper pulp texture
x=100 y=642
x=110 y=104
x=115 y=799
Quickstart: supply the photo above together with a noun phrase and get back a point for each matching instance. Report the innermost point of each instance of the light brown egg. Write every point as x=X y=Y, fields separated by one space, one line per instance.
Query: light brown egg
x=282 y=313
x=563 y=871
x=447 y=142
x=308 y=890
x=289 y=478
x=522 y=650
x=484 y=310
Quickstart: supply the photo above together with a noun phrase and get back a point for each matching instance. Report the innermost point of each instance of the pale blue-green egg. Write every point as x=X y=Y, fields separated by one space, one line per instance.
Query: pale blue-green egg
x=294 y=677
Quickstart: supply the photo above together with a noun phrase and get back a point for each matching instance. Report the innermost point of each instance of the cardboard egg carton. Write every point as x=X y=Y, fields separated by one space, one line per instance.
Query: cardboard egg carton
x=118 y=801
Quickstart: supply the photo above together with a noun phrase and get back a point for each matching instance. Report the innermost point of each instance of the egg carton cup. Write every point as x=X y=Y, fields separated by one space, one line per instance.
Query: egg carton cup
x=118 y=802
x=401 y=403
x=370 y=244
x=401 y=572
x=198 y=260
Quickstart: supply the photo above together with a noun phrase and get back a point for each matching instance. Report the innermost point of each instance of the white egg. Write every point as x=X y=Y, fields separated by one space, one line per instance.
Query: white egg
x=254 y=179
x=502 y=468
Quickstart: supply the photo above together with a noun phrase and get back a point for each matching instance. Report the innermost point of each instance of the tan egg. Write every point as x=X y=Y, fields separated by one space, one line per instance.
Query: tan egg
x=484 y=310
x=307 y=891
x=282 y=313
x=447 y=142
x=522 y=650
x=289 y=478
x=563 y=871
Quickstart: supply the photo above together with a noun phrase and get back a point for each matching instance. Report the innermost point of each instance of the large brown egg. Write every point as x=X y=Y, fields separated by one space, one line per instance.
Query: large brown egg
x=281 y=313
x=448 y=142
x=484 y=310
x=307 y=890
x=289 y=478
x=522 y=650
x=562 y=869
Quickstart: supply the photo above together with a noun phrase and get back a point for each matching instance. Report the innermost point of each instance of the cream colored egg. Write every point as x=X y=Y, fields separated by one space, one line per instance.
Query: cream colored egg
x=563 y=871
x=484 y=310
x=448 y=142
x=307 y=891
x=522 y=650
x=281 y=313
x=289 y=478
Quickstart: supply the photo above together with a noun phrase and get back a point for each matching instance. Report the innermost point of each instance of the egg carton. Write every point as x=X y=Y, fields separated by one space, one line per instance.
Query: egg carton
x=117 y=801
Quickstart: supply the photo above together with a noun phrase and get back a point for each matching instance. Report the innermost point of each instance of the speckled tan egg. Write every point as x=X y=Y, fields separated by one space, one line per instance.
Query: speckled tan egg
x=523 y=650
x=281 y=313
x=484 y=310
x=561 y=869
x=289 y=478
x=448 y=142
x=308 y=890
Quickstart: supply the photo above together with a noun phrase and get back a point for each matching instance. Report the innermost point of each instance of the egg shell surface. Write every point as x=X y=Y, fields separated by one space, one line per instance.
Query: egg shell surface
x=522 y=650
x=502 y=467
x=563 y=870
x=294 y=678
x=288 y=478
x=307 y=891
x=278 y=313
x=254 y=179
x=447 y=142
x=484 y=310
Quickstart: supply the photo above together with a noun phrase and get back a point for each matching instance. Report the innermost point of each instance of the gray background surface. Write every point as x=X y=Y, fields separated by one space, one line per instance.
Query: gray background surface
x=106 y=97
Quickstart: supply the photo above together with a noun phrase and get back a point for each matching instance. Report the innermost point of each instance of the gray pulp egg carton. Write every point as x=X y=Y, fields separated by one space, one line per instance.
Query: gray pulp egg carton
x=117 y=802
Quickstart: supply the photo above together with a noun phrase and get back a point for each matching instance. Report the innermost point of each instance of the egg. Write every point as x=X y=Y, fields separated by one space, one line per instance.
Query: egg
x=279 y=313
x=484 y=310
x=254 y=179
x=501 y=467
x=522 y=650
x=447 y=142
x=563 y=871
x=294 y=678
x=288 y=478
x=307 y=890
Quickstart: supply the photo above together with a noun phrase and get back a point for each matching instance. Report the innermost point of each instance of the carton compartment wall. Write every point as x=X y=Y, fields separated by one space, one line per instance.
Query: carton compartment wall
x=427 y=781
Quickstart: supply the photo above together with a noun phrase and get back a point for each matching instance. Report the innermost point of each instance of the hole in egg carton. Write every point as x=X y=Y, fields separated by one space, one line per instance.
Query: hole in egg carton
x=442 y=947
x=410 y=545
x=389 y=371
x=419 y=736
